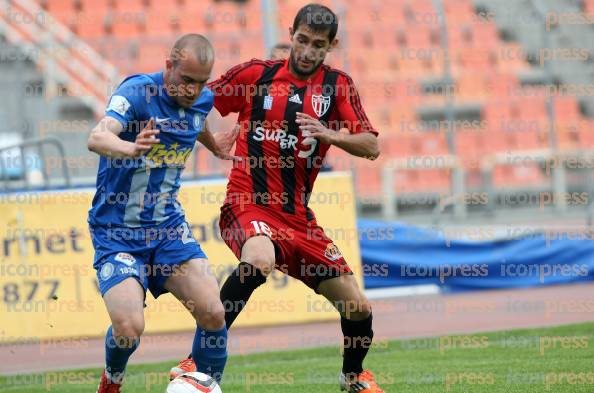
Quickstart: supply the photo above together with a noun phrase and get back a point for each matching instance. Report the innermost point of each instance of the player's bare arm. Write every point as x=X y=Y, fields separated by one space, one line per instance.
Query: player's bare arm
x=219 y=143
x=360 y=145
x=104 y=139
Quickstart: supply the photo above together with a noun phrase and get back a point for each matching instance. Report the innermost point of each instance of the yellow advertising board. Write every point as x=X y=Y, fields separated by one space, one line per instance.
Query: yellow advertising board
x=48 y=287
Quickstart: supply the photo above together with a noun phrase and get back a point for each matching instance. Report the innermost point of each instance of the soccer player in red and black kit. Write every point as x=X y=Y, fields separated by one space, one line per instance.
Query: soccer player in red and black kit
x=290 y=113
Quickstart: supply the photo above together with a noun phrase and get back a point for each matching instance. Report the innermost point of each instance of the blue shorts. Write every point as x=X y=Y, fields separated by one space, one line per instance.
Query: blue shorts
x=147 y=254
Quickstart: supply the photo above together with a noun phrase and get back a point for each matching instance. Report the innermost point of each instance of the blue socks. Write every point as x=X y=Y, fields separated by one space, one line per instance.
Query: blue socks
x=209 y=351
x=116 y=356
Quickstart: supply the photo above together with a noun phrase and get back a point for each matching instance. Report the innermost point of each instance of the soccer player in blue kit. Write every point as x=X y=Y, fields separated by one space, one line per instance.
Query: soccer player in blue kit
x=138 y=228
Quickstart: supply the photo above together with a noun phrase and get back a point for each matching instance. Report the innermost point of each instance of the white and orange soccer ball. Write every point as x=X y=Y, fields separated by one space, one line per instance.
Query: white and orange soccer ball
x=193 y=383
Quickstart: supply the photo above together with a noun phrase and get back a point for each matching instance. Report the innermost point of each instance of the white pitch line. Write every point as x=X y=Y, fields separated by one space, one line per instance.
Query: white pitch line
x=415 y=290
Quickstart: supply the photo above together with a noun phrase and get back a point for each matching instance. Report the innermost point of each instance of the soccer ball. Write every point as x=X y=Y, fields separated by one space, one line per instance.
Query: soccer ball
x=193 y=383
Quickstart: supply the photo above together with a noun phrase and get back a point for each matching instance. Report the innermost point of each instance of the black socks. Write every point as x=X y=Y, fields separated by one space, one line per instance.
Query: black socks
x=358 y=336
x=238 y=288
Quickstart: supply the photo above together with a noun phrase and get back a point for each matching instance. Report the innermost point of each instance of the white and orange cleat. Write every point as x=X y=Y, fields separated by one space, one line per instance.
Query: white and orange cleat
x=364 y=383
x=185 y=366
x=107 y=386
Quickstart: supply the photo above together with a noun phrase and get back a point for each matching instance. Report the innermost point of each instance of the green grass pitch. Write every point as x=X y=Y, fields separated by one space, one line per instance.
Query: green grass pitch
x=557 y=359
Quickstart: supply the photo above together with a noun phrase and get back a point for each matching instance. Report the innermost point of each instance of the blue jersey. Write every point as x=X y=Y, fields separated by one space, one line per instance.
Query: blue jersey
x=142 y=192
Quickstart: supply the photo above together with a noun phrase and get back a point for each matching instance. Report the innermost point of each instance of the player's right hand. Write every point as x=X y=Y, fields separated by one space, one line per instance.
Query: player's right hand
x=145 y=139
x=225 y=139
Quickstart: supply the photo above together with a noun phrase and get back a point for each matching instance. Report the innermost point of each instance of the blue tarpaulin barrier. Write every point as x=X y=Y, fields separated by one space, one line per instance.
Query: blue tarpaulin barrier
x=396 y=254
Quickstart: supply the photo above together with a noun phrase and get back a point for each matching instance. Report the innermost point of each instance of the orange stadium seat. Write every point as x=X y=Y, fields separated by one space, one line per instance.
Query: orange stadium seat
x=458 y=11
x=385 y=37
x=459 y=36
x=419 y=37
x=388 y=15
x=494 y=111
x=90 y=25
x=471 y=149
x=422 y=180
x=129 y=29
x=225 y=16
x=511 y=58
x=159 y=23
x=130 y=7
x=63 y=10
x=479 y=60
x=151 y=57
x=502 y=85
x=398 y=145
x=99 y=7
x=485 y=34
x=566 y=108
x=417 y=67
x=472 y=87
x=368 y=181
x=192 y=22
x=531 y=139
x=361 y=40
x=531 y=107
x=501 y=141
x=432 y=143
x=423 y=10
x=518 y=176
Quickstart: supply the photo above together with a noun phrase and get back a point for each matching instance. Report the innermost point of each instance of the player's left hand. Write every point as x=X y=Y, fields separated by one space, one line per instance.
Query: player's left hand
x=311 y=127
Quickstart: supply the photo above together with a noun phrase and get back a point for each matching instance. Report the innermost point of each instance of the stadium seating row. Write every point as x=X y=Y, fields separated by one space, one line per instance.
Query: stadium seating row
x=135 y=34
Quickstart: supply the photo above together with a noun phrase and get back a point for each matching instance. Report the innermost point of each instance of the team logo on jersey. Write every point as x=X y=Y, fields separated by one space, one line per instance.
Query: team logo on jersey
x=320 y=104
x=268 y=103
x=197 y=121
x=125 y=258
x=332 y=252
x=295 y=99
x=161 y=120
x=106 y=271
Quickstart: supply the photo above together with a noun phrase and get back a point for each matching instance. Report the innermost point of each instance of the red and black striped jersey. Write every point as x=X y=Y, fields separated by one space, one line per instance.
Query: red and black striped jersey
x=280 y=164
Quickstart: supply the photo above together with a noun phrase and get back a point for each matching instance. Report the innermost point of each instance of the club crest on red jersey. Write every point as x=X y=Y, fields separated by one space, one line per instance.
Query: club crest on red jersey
x=332 y=252
x=320 y=104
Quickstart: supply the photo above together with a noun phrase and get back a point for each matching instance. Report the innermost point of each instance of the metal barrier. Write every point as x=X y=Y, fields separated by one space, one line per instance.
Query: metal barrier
x=540 y=157
x=552 y=162
x=38 y=143
x=389 y=206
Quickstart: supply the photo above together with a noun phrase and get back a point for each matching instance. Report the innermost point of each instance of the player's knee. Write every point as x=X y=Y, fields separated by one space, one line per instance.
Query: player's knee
x=254 y=265
x=357 y=309
x=259 y=252
x=213 y=318
x=128 y=328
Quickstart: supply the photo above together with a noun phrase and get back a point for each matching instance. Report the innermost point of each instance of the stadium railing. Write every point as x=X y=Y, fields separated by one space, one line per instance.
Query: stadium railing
x=451 y=162
x=35 y=164
x=64 y=58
